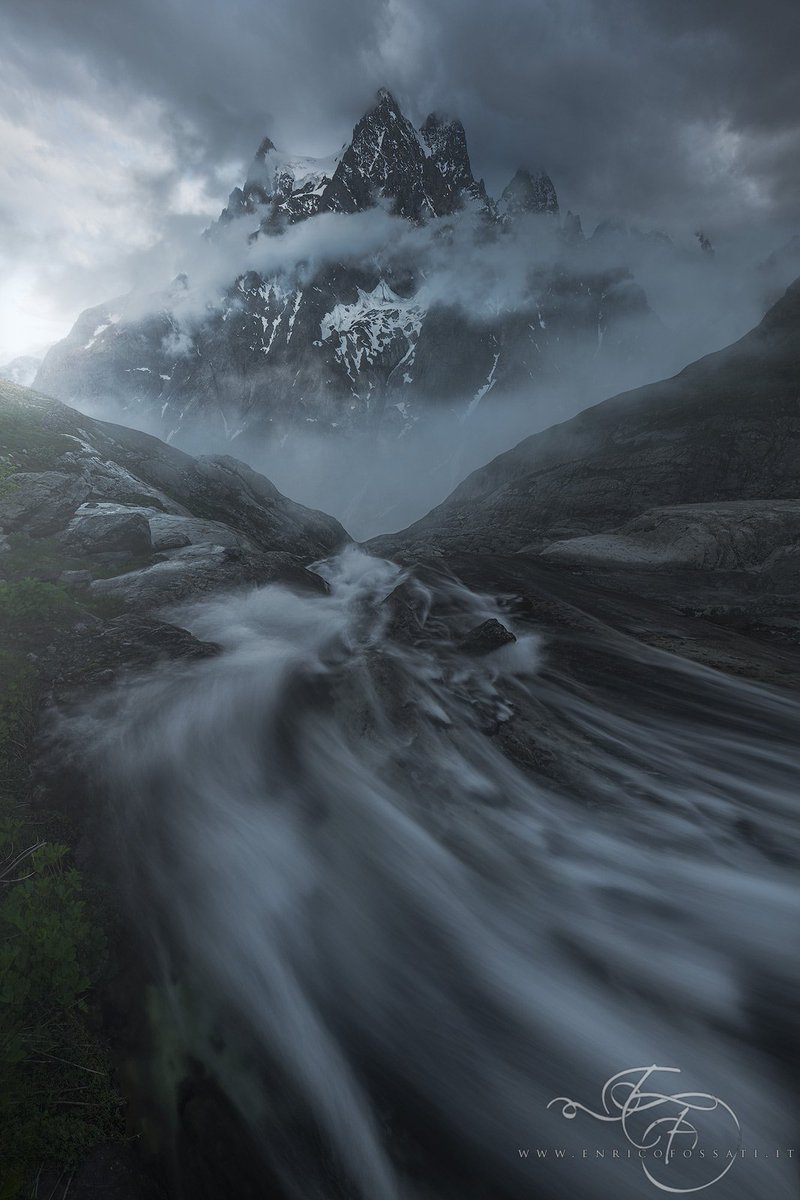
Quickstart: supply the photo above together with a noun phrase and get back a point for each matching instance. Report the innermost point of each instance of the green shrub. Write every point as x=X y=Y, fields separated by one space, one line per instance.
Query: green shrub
x=7 y=483
x=44 y=935
x=36 y=558
x=56 y=1099
x=17 y=690
x=27 y=605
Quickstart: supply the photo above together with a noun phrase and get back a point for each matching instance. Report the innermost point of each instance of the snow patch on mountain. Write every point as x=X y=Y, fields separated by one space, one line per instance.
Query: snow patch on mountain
x=485 y=387
x=98 y=331
x=289 y=173
x=363 y=331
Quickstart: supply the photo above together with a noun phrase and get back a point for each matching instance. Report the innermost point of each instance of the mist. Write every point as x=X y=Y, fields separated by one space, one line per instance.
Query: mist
x=401 y=743
x=381 y=477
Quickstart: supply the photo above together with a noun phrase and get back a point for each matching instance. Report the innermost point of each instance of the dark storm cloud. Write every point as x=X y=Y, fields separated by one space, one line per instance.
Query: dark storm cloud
x=639 y=105
x=225 y=70
x=120 y=121
x=685 y=107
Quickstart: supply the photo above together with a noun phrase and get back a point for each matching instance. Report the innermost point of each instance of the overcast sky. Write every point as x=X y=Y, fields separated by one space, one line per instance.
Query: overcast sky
x=123 y=125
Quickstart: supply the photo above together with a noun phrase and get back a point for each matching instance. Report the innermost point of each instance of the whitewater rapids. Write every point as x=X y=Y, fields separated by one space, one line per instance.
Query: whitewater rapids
x=378 y=917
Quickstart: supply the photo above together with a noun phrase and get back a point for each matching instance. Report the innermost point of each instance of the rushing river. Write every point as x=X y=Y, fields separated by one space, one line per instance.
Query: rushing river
x=383 y=920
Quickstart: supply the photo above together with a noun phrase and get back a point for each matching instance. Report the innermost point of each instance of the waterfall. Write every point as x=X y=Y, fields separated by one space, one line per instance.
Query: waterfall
x=417 y=893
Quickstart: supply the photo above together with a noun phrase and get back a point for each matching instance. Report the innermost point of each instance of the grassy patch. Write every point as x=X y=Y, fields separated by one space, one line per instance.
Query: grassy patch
x=17 y=721
x=37 y=558
x=7 y=483
x=28 y=606
x=26 y=444
x=57 y=1098
x=45 y=558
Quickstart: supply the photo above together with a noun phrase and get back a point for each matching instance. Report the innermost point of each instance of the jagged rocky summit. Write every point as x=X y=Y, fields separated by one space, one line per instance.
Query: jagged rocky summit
x=422 y=173
x=360 y=343
x=527 y=193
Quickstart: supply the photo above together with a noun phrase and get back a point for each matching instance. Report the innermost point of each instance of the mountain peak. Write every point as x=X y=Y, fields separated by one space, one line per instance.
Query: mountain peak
x=572 y=229
x=446 y=141
x=529 y=192
x=422 y=173
x=385 y=159
x=436 y=125
x=264 y=148
x=386 y=101
x=289 y=186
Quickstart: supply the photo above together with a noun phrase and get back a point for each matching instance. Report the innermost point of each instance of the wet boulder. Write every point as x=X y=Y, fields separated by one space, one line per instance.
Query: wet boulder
x=40 y=502
x=116 y=533
x=488 y=636
x=202 y=569
x=171 y=532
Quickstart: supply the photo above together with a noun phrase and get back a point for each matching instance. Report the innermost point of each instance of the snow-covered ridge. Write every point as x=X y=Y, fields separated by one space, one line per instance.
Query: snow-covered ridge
x=282 y=174
x=364 y=330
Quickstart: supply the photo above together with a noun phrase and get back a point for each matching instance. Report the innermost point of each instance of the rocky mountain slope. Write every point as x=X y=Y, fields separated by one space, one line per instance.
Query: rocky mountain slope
x=686 y=489
x=724 y=429
x=366 y=340
x=96 y=506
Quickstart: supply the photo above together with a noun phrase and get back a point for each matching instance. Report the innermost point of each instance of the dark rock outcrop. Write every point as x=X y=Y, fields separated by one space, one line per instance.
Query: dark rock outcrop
x=384 y=160
x=122 y=533
x=201 y=569
x=175 y=525
x=41 y=501
x=528 y=192
x=731 y=535
x=488 y=636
